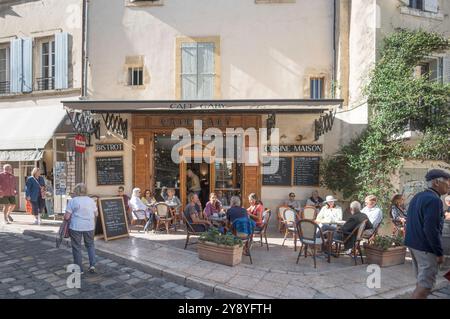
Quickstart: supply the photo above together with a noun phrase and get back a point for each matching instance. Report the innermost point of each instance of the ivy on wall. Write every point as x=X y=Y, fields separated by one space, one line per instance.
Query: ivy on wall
x=397 y=99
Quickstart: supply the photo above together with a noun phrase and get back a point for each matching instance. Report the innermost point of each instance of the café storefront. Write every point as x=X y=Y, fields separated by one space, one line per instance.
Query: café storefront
x=164 y=139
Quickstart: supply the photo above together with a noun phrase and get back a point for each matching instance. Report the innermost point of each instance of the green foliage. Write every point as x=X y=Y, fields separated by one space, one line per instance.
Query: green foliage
x=385 y=242
x=396 y=98
x=214 y=236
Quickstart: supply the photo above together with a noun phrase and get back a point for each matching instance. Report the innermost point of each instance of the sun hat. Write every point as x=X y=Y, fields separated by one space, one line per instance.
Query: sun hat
x=330 y=198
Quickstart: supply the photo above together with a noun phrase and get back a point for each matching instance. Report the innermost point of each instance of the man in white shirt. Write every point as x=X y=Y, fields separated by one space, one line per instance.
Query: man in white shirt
x=330 y=213
x=373 y=211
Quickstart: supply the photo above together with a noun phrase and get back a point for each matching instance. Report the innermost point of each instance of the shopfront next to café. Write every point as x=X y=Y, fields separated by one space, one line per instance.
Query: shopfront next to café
x=168 y=138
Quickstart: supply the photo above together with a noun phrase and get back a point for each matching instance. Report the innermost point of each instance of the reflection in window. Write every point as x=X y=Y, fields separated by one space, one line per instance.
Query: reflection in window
x=166 y=171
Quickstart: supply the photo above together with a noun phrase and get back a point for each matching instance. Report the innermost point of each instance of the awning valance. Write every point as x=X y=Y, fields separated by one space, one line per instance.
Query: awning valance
x=210 y=106
x=29 y=128
x=18 y=156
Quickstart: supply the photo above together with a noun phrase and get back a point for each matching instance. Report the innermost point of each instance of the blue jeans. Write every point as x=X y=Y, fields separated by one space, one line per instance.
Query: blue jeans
x=75 y=239
x=37 y=207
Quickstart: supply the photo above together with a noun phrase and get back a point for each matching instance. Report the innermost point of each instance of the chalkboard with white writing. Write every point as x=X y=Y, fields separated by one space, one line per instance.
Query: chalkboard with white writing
x=306 y=171
x=113 y=218
x=109 y=170
x=283 y=176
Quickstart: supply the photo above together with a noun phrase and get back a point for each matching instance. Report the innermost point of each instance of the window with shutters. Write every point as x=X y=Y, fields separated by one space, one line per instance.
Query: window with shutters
x=432 y=68
x=4 y=70
x=423 y=8
x=317 y=88
x=198 y=68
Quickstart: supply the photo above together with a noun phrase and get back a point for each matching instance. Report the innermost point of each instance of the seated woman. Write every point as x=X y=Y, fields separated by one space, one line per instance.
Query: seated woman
x=255 y=211
x=139 y=210
x=315 y=200
x=172 y=199
x=148 y=198
x=213 y=206
x=192 y=213
x=398 y=212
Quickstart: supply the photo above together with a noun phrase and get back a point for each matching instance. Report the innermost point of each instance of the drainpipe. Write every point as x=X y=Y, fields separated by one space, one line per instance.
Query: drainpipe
x=85 y=59
x=333 y=77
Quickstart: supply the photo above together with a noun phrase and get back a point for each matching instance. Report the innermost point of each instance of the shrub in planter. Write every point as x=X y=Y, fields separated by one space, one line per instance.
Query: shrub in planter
x=217 y=247
x=386 y=251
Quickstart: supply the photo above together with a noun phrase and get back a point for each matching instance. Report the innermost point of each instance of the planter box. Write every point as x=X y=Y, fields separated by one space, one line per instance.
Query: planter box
x=220 y=254
x=385 y=258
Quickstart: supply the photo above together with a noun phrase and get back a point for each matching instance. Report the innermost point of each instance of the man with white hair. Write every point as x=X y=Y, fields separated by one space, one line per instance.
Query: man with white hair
x=8 y=192
x=424 y=231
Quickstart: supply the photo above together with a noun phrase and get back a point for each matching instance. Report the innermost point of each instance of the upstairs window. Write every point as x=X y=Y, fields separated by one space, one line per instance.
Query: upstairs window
x=135 y=76
x=316 y=85
x=431 y=68
x=416 y=4
x=47 y=79
x=425 y=5
x=4 y=70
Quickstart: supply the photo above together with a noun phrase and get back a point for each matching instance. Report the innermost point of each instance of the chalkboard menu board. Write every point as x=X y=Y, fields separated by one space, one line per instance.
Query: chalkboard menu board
x=113 y=218
x=283 y=176
x=109 y=170
x=306 y=171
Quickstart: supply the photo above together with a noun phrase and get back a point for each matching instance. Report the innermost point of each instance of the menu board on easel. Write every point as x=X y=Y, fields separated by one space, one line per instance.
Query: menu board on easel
x=306 y=171
x=283 y=176
x=112 y=219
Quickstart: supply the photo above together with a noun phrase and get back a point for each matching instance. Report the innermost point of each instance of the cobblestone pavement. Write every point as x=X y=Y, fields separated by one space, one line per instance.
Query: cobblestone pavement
x=443 y=293
x=34 y=268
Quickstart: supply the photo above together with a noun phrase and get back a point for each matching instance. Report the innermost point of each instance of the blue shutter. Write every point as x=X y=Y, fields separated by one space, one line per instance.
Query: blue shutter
x=16 y=66
x=27 y=66
x=61 y=60
x=205 y=89
x=189 y=71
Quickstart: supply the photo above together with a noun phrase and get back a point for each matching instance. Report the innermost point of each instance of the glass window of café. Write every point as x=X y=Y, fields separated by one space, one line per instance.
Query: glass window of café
x=167 y=173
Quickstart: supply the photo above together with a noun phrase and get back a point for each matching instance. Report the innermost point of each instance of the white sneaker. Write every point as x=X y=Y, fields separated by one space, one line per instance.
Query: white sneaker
x=36 y=222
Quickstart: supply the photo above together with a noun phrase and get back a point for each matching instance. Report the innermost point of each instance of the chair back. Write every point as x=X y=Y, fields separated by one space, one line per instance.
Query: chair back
x=289 y=216
x=309 y=212
x=189 y=228
x=307 y=230
x=266 y=217
x=163 y=210
x=361 y=228
x=281 y=210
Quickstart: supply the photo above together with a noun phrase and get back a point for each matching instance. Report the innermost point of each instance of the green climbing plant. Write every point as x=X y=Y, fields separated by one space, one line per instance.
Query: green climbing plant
x=396 y=98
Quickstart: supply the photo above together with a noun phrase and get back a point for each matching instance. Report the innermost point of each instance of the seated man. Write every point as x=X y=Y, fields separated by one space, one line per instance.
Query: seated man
x=292 y=203
x=235 y=211
x=193 y=214
x=330 y=213
x=354 y=221
x=373 y=212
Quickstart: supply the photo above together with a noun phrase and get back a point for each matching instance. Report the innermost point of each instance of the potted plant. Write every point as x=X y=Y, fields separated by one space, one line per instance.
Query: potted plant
x=386 y=251
x=219 y=248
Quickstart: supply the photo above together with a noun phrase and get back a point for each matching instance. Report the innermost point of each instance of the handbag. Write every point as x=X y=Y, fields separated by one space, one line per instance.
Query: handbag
x=28 y=207
x=63 y=232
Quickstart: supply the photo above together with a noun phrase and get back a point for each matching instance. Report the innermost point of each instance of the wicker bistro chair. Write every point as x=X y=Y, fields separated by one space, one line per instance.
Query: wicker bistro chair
x=136 y=219
x=309 y=212
x=164 y=214
x=280 y=218
x=289 y=221
x=358 y=232
x=397 y=226
x=189 y=231
x=370 y=234
x=307 y=231
x=263 y=232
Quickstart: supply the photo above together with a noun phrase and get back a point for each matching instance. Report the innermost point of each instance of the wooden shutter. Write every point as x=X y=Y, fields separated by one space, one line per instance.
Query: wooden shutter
x=431 y=5
x=205 y=89
x=61 y=60
x=27 y=67
x=189 y=71
x=16 y=66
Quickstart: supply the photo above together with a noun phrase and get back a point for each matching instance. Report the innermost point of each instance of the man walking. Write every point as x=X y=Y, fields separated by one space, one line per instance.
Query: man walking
x=424 y=231
x=8 y=192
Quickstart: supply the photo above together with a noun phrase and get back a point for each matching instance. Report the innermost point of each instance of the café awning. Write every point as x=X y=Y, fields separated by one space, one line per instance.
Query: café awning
x=211 y=106
x=24 y=131
x=24 y=156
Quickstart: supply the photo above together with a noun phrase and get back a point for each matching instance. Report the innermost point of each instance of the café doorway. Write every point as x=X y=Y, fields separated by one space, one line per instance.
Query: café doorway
x=195 y=165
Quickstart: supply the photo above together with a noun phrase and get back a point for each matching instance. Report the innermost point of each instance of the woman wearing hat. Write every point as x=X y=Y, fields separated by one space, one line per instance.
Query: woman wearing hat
x=330 y=213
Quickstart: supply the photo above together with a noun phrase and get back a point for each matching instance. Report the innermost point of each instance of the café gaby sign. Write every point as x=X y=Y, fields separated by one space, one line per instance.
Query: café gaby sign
x=110 y=147
x=303 y=148
x=202 y=106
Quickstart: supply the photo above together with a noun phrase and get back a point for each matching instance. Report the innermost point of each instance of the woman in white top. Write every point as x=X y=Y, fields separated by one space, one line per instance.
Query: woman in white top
x=140 y=210
x=330 y=213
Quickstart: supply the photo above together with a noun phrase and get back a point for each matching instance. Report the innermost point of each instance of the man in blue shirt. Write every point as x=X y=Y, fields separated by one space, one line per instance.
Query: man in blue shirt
x=424 y=231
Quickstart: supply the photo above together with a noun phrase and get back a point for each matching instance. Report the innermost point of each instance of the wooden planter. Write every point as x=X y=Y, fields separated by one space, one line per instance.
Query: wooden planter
x=385 y=258
x=225 y=255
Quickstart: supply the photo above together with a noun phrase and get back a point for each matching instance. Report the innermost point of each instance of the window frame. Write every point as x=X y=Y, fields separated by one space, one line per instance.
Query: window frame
x=7 y=61
x=217 y=63
x=131 y=73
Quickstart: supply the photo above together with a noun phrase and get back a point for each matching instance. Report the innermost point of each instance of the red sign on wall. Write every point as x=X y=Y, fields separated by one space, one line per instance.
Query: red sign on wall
x=80 y=143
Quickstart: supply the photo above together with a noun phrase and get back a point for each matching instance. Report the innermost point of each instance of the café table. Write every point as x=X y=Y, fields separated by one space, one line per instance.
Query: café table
x=218 y=221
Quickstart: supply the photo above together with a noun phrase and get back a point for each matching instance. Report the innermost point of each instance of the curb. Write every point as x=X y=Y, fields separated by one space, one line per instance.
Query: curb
x=217 y=290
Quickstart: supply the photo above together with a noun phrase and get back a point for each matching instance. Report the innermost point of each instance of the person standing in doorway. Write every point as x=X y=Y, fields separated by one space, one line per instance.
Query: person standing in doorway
x=424 y=231
x=8 y=192
x=194 y=186
x=35 y=193
x=82 y=210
